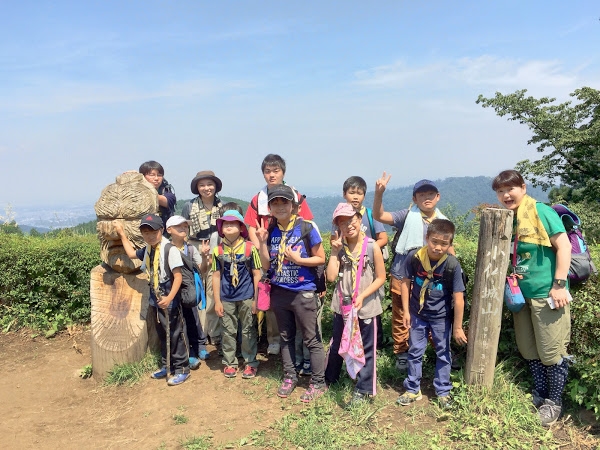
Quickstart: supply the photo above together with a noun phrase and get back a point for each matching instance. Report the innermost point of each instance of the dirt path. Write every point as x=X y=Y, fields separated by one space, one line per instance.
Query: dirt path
x=45 y=404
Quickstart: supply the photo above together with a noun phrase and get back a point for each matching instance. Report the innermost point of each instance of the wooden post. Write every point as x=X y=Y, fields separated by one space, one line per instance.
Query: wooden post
x=493 y=256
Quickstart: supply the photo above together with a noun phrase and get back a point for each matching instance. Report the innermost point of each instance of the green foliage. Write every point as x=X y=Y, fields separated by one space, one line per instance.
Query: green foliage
x=45 y=282
x=86 y=371
x=131 y=373
x=198 y=443
x=568 y=135
x=10 y=227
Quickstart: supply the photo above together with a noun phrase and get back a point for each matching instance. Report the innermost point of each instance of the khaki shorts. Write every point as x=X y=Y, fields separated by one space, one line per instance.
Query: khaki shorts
x=542 y=333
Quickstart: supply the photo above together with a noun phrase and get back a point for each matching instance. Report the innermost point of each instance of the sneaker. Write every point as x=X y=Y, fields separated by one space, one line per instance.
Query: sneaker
x=159 y=374
x=230 y=371
x=204 y=355
x=536 y=399
x=286 y=388
x=178 y=379
x=249 y=372
x=273 y=349
x=305 y=370
x=408 y=397
x=313 y=392
x=359 y=398
x=402 y=362
x=444 y=402
x=549 y=413
x=194 y=363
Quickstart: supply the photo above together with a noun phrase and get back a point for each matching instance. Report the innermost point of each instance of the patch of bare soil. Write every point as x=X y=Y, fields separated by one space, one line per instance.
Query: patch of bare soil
x=45 y=404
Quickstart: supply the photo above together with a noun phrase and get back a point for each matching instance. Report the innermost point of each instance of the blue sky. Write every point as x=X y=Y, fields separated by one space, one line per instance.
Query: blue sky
x=91 y=89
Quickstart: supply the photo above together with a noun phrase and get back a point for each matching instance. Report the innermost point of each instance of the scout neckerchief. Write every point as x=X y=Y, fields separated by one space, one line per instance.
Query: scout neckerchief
x=232 y=250
x=285 y=232
x=355 y=259
x=423 y=257
x=202 y=218
x=152 y=266
x=529 y=226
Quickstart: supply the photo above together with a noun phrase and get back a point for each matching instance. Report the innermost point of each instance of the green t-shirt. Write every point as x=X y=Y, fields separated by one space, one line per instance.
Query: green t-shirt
x=537 y=263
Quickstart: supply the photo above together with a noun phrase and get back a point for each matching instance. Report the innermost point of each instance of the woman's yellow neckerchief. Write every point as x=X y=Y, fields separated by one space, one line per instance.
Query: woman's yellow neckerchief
x=285 y=232
x=232 y=249
x=354 y=259
x=423 y=257
x=530 y=228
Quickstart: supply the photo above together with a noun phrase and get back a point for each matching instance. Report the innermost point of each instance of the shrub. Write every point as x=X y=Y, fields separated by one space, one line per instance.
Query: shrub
x=45 y=282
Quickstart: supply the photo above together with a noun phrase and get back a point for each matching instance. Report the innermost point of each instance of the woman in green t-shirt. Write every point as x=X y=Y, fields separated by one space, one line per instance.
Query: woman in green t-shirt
x=543 y=326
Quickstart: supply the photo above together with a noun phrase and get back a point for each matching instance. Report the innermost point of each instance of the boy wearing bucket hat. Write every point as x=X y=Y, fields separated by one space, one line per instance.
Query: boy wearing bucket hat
x=203 y=212
x=236 y=271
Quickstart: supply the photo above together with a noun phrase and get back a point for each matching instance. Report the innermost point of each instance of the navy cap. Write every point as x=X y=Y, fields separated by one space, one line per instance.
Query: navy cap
x=424 y=185
x=152 y=220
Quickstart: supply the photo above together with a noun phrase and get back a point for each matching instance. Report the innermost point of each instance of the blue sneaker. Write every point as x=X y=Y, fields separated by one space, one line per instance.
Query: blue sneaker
x=204 y=355
x=159 y=374
x=194 y=363
x=178 y=379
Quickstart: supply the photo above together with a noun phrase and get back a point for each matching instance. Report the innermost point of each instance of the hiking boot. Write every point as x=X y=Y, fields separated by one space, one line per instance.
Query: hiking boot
x=249 y=372
x=444 y=402
x=204 y=355
x=306 y=369
x=549 y=413
x=194 y=363
x=536 y=399
x=273 y=349
x=230 y=371
x=159 y=374
x=408 y=397
x=402 y=362
x=286 y=388
x=178 y=379
x=313 y=392
x=359 y=398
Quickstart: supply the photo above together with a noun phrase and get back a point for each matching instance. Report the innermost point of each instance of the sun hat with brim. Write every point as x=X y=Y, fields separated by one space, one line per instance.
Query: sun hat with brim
x=206 y=174
x=344 y=210
x=151 y=220
x=281 y=191
x=232 y=215
x=177 y=220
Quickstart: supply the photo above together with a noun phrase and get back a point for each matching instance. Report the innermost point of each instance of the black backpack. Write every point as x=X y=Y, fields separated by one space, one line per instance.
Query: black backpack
x=448 y=275
x=191 y=291
x=305 y=229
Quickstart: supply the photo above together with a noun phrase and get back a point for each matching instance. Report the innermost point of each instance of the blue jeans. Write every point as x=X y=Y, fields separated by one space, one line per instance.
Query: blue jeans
x=441 y=330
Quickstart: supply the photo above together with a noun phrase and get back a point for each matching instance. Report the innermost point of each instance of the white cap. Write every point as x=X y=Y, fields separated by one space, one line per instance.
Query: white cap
x=177 y=220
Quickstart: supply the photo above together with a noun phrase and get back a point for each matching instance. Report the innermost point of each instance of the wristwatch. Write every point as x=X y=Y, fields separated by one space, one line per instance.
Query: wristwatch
x=560 y=283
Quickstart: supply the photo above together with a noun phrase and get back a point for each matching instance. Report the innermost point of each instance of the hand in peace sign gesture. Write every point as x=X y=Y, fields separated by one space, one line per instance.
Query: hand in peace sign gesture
x=382 y=182
x=262 y=233
x=336 y=242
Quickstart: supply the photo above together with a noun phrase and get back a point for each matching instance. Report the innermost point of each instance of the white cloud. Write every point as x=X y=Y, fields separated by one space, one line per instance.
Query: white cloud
x=483 y=71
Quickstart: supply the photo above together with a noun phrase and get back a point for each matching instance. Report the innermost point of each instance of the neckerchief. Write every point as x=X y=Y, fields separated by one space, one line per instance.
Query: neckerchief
x=283 y=243
x=153 y=267
x=529 y=226
x=201 y=218
x=232 y=250
x=354 y=259
x=423 y=257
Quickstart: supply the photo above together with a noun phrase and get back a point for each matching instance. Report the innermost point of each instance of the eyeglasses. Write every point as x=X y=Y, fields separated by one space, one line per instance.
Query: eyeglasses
x=347 y=223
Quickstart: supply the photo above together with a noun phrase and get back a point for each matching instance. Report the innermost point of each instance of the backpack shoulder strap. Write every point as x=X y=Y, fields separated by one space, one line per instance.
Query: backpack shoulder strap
x=248 y=249
x=448 y=275
x=166 y=259
x=371 y=226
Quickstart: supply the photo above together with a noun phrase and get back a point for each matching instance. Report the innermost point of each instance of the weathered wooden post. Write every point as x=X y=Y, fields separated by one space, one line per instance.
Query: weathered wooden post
x=493 y=255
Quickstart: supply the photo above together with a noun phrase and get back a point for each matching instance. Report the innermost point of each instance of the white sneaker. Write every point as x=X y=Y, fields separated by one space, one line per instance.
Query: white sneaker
x=273 y=349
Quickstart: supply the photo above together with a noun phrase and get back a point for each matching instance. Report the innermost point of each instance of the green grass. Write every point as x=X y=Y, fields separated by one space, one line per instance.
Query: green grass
x=131 y=373
x=198 y=443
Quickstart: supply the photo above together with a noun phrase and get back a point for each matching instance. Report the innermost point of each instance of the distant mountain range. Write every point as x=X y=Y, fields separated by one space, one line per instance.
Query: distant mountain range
x=463 y=193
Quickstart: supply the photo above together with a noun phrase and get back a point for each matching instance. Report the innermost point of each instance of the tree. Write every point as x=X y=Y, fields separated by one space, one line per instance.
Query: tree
x=568 y=136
